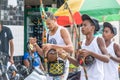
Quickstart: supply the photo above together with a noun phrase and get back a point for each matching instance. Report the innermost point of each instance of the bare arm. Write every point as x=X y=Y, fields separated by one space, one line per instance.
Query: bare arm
x=73 y=61
x=38 y=49
x=33 y=41
x=117 y=52
x=66 y=37
x=11 y=50
x=105 y=57
x=64 y=55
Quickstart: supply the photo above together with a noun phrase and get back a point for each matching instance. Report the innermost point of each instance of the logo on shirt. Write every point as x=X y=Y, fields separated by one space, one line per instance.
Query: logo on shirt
x=5 y=34
x=0 y=42
x=52 y=41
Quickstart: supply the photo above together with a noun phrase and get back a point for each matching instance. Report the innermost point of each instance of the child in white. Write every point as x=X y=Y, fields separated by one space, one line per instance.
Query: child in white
x=111 y=68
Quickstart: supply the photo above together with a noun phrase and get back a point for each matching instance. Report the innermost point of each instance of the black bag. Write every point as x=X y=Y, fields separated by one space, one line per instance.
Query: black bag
x=56 y=68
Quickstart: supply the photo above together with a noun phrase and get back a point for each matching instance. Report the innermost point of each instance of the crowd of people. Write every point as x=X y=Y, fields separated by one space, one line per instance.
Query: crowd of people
x=104 y=52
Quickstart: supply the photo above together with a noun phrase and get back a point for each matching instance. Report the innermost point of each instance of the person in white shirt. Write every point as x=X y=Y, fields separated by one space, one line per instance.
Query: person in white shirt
x=58 y=37
x=111 y=68
x=92 y=46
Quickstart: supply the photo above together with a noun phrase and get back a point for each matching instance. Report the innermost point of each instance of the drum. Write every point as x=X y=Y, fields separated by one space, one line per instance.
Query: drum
x=37 y=74
x=88 y=60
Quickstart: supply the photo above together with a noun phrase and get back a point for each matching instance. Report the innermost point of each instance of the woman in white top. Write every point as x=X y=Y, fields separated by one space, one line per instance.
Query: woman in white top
x=93 y=46
x=111 y=68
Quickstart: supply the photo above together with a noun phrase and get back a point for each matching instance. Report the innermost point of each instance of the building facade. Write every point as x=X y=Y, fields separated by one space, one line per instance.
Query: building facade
x=12 y=13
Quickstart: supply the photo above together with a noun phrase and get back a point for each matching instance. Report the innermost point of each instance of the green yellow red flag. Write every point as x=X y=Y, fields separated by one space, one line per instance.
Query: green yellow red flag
x=74 y=5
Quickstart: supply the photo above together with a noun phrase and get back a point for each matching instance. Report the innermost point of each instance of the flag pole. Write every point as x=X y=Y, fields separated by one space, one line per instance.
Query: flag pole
x=44 y=17
x=78 y=36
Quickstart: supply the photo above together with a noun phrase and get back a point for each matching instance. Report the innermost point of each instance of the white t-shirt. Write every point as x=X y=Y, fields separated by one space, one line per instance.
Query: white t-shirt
x=111 y=68
x=95 y=71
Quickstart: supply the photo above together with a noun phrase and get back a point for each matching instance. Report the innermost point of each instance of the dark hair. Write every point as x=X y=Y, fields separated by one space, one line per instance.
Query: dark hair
x=93 y=21
x=50 y=15
x=110 y=26
x=33 y=36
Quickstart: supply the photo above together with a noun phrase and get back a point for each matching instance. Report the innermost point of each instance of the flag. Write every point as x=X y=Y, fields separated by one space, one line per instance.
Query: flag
x=63 y=15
